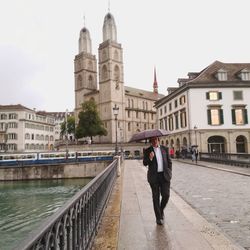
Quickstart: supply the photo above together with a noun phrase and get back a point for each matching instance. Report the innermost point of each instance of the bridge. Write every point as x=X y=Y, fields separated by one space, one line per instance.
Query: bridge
x=125 y=219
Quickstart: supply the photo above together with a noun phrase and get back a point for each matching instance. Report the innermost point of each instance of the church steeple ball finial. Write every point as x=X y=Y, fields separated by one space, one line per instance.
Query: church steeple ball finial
x=85 y=44
x=109 y=28
x=155 y=85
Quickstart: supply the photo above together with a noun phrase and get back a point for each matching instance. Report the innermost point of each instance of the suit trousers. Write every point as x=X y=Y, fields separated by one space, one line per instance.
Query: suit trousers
x=160 y=188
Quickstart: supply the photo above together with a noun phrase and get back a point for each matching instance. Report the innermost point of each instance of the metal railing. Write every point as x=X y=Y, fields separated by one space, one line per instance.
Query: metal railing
x=226 y=158
x=74 y=225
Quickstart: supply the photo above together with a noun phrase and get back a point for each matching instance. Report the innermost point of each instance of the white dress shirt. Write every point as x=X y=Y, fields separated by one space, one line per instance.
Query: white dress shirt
x=158 y=155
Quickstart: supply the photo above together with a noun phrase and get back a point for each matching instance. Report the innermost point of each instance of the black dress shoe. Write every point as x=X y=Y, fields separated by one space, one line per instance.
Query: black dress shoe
x=159 y=222
x=162 y=215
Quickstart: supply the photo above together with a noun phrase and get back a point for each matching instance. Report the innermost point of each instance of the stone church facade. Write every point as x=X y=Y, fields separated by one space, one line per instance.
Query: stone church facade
x=136 y=106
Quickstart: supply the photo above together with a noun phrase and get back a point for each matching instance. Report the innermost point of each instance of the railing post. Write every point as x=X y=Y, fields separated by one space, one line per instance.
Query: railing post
x=118 y=164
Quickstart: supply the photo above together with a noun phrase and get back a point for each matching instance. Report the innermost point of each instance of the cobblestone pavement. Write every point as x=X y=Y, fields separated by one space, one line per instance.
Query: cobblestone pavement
x=222 y=198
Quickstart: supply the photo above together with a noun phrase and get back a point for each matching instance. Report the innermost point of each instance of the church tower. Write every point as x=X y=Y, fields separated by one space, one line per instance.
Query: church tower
x=85 y=70
x=111 y=82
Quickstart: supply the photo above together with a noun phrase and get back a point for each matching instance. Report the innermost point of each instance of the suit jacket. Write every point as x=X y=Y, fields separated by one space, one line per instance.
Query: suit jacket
x=152 y=165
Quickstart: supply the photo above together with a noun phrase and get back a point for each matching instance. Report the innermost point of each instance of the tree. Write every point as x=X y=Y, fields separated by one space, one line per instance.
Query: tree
x=90 y=123
x=70 y=126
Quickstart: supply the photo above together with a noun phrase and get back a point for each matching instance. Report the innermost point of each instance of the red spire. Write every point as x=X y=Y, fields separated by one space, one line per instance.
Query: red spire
x=155 y=85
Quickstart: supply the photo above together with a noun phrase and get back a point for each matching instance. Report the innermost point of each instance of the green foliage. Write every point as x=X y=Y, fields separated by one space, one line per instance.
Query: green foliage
x=70 y=126
x=90 y=123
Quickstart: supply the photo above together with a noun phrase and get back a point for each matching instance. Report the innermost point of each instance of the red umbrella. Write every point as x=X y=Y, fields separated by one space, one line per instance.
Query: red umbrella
x=149 y=133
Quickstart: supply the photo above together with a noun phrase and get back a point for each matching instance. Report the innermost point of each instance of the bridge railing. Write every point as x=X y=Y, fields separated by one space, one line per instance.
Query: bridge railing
x=74 y=225
x=238 y=159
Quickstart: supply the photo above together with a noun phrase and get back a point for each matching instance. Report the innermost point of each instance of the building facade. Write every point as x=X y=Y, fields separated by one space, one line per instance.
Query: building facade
x=136 y=107
x=209 y=109
x=60 y=118
x=25 y=130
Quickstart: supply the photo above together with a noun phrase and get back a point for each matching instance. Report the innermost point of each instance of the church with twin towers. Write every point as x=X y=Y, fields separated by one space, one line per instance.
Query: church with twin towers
x=103 y=81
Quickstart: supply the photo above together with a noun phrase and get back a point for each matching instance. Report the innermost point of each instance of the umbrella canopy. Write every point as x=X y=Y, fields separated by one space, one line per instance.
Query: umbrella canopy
x=149 y=133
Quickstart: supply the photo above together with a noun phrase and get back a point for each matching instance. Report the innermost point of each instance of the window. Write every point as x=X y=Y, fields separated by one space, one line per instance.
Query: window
x=170 y=106
x=215 y=116
x=221 y=75
x=129 y=126
x=239 y=116
x=145 y=115
x=238 y=95
x=137 y=114
x=182 y=100
x=12 y=125
x=176 y=120
x=160 y=111
x=12 y=136
x=145 y=126
x=170 y=123
x=161 y=124
x=3 y=117
x=213 y=95
x=12 y=116
x=165 y=109
x=245 y=75
x=175 y=103
x=183 y=119
x=152 y=116
x=128 y=113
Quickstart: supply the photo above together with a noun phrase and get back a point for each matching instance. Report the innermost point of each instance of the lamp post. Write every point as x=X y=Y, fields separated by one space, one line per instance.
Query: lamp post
x=195 y=128
x=66 y=132
x=116 y=111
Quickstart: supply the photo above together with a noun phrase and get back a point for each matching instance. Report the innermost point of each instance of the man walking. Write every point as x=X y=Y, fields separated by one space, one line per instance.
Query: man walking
x=159 y=174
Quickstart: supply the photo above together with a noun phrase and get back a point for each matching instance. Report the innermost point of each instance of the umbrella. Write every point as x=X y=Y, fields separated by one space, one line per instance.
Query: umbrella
x=149 y=133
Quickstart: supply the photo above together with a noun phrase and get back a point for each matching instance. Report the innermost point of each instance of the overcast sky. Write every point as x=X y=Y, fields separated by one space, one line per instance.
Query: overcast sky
x=39 y=40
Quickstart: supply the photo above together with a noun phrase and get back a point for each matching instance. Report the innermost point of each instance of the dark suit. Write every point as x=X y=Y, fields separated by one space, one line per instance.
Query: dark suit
x=159 y=182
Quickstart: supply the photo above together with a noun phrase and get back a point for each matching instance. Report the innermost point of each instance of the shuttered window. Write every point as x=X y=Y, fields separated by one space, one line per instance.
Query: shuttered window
x=215 y=116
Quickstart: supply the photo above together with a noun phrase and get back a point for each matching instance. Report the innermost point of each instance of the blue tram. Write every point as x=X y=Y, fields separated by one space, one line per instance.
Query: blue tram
x=54 y=157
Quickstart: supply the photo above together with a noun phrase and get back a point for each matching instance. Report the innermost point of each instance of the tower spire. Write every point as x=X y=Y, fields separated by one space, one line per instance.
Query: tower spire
x=109 y=6
x=155 y=84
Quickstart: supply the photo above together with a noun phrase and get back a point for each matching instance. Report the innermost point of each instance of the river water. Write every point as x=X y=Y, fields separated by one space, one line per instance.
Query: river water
x=24 y=204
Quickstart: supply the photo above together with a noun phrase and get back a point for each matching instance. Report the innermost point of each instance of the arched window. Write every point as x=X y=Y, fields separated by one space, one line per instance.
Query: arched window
x=90 y=81
x=104 y=55
x=79 y=82
x=116 y=73
x=184 y=141
x=104 y=72
x=177 y=143
x=241 y=144
x=216 y=144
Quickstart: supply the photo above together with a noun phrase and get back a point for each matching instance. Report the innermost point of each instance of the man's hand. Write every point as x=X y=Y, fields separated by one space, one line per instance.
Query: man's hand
x=151 y=155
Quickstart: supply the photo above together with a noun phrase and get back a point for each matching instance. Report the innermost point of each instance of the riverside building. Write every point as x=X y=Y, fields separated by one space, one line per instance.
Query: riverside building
x=210 y=109
x=25 y=130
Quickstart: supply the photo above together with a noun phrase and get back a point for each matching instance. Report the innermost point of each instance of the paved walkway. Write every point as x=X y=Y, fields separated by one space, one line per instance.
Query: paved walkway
x=129 y=221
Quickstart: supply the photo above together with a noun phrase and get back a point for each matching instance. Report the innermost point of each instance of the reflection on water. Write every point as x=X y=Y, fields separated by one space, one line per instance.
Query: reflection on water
x=23 y=204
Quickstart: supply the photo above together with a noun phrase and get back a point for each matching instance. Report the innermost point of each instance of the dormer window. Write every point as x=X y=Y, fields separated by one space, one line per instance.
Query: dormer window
x=221 y=75
x=244 y=75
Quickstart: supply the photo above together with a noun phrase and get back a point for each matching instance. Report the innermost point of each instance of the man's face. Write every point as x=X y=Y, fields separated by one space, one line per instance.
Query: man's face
x=154 y=141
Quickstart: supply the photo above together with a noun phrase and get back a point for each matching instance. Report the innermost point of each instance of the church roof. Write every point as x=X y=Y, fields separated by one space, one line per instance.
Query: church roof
x=142 y=93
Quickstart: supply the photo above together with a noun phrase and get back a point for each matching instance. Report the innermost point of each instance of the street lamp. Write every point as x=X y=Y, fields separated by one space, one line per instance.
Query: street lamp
x=116 y=111
x=195 y=128
x=66 y=132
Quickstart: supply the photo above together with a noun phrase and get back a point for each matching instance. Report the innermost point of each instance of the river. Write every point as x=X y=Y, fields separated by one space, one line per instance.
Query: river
x=24 y=204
